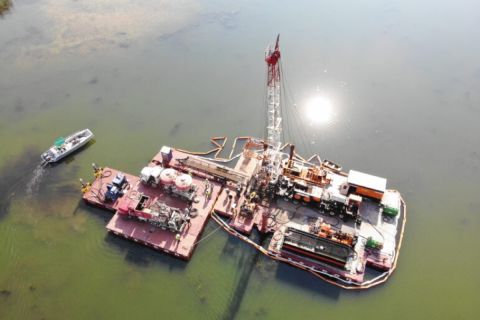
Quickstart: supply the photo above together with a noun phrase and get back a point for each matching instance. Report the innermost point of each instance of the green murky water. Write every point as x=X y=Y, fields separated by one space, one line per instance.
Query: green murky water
x=403 y=79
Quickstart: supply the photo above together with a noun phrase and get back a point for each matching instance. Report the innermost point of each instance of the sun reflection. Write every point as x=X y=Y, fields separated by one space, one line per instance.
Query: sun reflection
x=319 y=109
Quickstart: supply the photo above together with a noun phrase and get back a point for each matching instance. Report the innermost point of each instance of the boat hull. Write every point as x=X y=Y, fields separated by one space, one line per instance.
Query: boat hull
x=53 y=155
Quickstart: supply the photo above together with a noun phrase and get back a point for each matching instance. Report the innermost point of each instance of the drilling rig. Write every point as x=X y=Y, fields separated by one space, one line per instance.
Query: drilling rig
x=272 y=157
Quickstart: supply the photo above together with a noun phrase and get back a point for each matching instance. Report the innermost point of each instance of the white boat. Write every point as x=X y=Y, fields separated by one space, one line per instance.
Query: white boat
x=62 y=147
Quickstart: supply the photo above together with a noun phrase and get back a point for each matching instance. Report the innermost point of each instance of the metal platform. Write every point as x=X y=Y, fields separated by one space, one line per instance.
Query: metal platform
x=181 y=246
x=275 y=216
x=374 y=225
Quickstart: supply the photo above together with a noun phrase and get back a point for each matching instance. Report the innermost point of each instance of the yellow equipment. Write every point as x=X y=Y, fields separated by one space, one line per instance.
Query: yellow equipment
x=85 y=186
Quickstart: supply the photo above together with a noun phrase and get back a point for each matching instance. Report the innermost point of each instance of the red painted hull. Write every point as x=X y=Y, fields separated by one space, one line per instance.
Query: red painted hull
x=142 y=232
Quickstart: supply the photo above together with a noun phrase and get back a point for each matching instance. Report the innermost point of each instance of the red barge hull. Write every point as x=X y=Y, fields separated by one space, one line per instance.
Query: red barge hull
x=225 y=200
x=180 y=245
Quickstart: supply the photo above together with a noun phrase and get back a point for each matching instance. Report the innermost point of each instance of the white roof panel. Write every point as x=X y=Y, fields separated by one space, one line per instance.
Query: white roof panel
x=367 y=180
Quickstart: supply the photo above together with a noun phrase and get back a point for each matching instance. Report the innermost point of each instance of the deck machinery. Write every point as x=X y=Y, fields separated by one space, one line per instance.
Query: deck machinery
x=338 y=202
x=165 y=180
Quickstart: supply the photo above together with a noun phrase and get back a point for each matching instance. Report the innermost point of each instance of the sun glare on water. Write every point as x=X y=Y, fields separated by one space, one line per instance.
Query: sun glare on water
x=319 y=109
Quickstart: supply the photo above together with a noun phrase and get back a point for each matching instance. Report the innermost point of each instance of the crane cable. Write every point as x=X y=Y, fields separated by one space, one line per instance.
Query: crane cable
x=297 y=121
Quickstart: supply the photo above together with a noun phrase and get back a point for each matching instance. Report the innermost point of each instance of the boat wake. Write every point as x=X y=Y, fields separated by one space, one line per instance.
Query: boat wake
x=33 y=184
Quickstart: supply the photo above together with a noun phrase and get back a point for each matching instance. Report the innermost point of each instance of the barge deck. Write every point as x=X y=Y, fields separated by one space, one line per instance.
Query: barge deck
x=221 y=191
x=178 y=244
x=333 y=224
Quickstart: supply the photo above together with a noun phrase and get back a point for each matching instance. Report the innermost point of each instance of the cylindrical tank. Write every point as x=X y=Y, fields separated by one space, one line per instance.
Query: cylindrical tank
x=183 y=182
x=168 y=176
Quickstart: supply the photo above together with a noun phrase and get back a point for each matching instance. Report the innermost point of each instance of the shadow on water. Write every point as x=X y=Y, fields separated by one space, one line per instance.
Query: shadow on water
x=247 y=260
x=93 y=80
x=175 y=129
x=24 y=176
x=225 y=19
x=103 y=216
x=48 y=186
x=14 y=175
x=142 y=256
x=55 y=186
x=306 y=281
x=135 y=254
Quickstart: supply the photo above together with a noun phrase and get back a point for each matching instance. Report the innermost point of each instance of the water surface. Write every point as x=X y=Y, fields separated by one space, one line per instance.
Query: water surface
x=403 y=81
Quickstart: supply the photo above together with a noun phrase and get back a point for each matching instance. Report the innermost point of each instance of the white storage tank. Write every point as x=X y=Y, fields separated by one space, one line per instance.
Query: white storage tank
x=156 y=172
x=168 y=176
x=145 y=174
x=151 y=174
x=183 y=182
